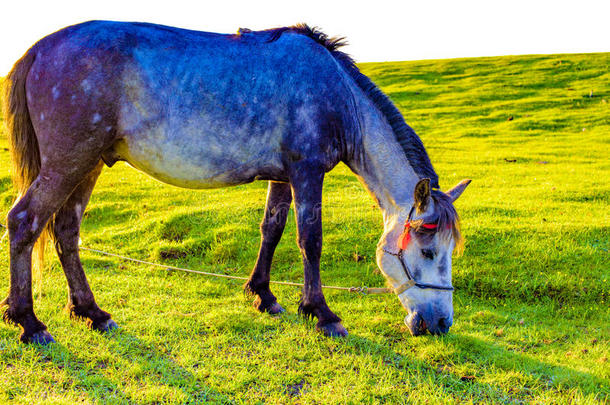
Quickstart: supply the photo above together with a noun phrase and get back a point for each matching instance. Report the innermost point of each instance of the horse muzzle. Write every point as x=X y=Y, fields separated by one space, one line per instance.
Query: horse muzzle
x=435 y=323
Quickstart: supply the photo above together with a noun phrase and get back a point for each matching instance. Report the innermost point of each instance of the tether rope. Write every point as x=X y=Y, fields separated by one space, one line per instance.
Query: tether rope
x=363 y=290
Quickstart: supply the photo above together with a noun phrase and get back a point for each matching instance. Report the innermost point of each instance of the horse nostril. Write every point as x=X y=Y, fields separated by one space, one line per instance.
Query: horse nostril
x=416 y=324
x=443 y=325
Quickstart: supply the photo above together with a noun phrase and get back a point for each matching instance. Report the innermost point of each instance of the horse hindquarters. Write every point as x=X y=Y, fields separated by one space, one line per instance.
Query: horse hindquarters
x=52 y=153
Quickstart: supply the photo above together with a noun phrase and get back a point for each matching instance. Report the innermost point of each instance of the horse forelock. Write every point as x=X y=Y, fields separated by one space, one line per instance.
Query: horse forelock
x=448 y=221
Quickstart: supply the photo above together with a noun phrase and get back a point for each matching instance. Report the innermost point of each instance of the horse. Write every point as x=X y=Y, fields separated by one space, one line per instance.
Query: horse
x=205 y=110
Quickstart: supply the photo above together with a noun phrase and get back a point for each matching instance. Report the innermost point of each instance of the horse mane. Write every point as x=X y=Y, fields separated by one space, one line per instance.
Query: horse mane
x=407 y=138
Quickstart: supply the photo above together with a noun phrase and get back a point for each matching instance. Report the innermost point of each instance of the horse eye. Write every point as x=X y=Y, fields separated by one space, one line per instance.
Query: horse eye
x=427 y=253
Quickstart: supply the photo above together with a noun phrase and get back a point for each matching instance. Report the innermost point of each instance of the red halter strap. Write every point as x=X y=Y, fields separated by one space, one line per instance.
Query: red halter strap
x=405 y=238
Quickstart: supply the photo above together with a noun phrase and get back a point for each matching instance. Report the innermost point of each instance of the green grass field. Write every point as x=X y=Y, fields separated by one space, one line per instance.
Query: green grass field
x=532 y=319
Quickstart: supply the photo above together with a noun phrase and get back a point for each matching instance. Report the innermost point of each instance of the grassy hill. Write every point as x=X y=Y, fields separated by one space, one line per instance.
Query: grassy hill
x=531 y=306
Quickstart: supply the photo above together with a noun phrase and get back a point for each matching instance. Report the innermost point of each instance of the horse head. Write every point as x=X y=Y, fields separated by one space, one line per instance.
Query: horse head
x=415 y=257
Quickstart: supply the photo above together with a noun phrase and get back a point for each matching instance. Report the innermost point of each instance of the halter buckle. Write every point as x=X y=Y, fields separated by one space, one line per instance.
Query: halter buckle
x=404 y=287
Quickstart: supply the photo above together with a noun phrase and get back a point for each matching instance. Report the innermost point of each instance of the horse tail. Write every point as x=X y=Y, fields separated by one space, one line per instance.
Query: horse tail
x=23 y=144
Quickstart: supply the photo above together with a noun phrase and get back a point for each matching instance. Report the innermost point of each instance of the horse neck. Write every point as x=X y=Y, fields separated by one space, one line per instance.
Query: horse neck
x=383 y=168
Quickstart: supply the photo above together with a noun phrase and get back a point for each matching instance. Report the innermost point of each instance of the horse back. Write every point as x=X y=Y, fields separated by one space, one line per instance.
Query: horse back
x=192 y=108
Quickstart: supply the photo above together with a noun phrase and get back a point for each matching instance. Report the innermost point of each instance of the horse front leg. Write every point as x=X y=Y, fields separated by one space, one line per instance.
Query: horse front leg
x=306 y=180
x=279 y=198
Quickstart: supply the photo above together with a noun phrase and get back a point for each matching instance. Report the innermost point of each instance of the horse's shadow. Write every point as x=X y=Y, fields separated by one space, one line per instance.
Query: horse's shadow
x=138 y=359
x=447 y=370
x=151 y=360
x=491 y=355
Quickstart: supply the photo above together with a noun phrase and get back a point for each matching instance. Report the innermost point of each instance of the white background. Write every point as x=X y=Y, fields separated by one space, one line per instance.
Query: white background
x=377 y=30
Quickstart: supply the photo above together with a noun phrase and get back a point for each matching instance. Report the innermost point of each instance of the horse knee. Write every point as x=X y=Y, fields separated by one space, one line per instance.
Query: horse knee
x=271 y=232
x=310 y=244
x=274 y=222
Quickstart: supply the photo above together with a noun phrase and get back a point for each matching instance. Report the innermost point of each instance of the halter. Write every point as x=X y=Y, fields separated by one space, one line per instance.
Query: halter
x=403 y=242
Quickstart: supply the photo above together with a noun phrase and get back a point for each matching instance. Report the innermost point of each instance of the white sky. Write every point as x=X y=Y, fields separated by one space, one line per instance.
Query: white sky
x=377 y=30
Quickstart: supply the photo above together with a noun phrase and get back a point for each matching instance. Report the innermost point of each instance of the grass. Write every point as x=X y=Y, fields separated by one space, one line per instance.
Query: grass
x=531 y=306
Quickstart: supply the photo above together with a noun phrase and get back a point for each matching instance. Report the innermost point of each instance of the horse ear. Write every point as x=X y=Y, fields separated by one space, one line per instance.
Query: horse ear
x=457 y=191
x=421 y=195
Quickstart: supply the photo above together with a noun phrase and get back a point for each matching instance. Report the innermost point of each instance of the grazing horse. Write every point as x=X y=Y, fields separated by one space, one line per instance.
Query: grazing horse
x=203 y=110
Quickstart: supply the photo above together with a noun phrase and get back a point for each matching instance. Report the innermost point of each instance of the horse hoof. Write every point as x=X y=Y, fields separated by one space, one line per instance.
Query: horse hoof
x=334 y=329
x=106 y=326
x=42 y=338
x=275 y=309
x=272 y=309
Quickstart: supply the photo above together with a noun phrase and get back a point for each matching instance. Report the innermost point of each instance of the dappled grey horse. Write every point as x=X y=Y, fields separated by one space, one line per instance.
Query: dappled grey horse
x=203 y=110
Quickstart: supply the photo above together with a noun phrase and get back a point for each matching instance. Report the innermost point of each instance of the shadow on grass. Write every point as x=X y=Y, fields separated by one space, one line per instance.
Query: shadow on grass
x=155 y=376
x=549 y=377
x=129 y=369
x=519 y=376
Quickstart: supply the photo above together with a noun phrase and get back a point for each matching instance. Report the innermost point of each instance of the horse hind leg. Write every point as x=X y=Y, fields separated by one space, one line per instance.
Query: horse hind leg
x=66 y=230
x=26 y=221
x=279 y=198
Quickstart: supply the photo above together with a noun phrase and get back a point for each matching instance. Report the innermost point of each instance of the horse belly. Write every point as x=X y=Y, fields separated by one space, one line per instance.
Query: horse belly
x=198 y=162
x=195 y=130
